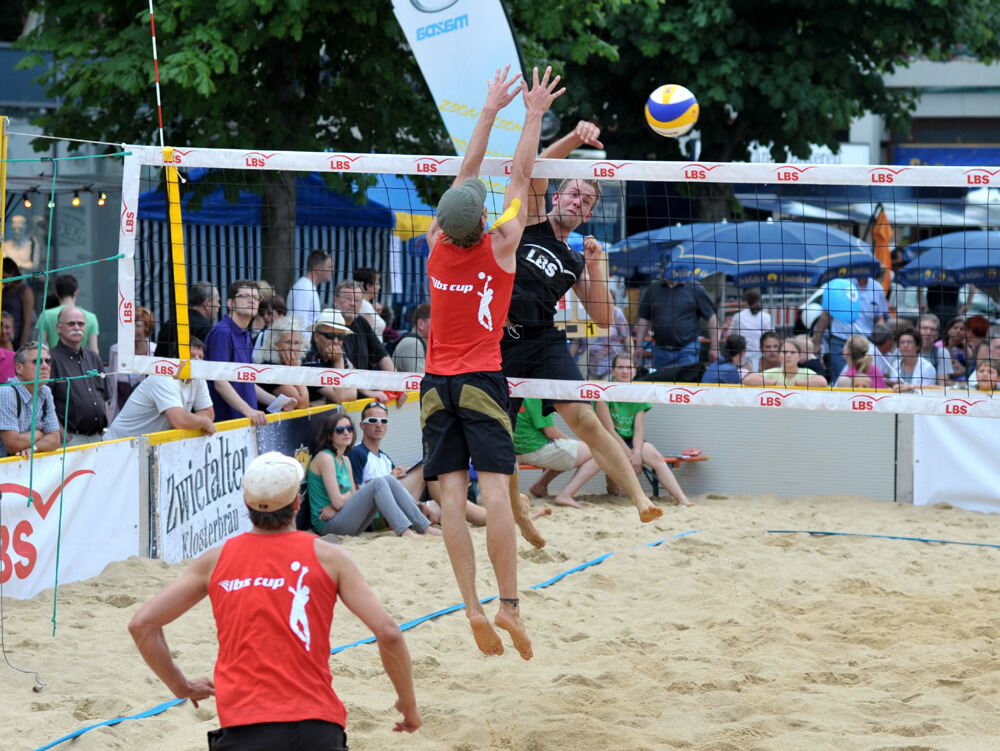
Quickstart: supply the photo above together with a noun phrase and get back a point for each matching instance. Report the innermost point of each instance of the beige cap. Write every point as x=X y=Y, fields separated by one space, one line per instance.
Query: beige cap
x=334 y=319
x=271 y=481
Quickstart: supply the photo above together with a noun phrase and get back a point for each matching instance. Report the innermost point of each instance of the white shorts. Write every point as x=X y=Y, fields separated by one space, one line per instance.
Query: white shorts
x=559 y=454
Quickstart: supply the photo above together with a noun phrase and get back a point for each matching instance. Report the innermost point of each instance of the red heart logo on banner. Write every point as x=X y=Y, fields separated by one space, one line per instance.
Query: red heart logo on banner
x=36 y=498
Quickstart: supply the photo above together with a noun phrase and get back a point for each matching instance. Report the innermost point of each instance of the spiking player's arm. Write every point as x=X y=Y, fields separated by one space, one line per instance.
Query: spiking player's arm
x=537 y=101
x=585 y=133
x=498 y=97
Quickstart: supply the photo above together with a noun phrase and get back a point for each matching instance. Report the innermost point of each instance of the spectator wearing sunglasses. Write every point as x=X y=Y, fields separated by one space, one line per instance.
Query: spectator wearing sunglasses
x=341 y=506
x=18 y=401
x=327 y=351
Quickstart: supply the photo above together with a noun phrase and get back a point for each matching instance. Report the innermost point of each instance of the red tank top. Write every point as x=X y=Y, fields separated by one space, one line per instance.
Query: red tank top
x=470 y=296
x=273 y=605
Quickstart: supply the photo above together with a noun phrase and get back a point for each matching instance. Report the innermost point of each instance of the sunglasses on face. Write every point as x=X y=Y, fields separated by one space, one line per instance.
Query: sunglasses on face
x=376 y=420
x=341 y=429
x=332 y=336
x=44 y=361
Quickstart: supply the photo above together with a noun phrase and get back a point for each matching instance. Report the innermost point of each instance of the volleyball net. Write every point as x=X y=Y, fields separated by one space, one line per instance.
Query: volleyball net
x=214 y=215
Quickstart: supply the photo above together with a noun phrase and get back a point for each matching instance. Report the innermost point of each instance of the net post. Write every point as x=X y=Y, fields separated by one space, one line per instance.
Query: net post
x=178 y=266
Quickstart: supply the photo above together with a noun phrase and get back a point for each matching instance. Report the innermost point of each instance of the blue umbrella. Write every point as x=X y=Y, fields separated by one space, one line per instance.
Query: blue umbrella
x=775 y=254
x=644 y=252
x=954 y=259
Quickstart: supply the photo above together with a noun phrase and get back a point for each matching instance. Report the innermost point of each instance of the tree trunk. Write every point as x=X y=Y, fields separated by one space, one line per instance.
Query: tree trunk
x=277 y=233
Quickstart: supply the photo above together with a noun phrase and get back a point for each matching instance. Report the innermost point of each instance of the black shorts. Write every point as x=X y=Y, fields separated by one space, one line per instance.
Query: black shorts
x=304 y=735
x=464 y=417
x=537 y=352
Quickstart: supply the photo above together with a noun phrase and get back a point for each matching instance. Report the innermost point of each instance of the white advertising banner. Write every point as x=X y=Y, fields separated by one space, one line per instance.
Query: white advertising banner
x=95 y=501
x=199 y=492
x=954 y=462
x=459 y=44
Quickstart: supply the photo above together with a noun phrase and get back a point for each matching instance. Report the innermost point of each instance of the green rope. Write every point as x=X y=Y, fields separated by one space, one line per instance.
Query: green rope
x=62 y=486
x=36 y=274
x=68 y=158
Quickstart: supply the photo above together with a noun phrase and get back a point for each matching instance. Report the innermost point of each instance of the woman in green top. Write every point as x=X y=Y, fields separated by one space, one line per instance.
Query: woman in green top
x=338 y=506
x=626 y=421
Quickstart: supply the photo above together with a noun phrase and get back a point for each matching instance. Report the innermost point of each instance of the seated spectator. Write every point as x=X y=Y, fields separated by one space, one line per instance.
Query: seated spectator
x=7 y=348
x=770 y=355
x=940 y=358
x=882 y=352
x=327 y=351
x=538 y=441
x=338 y=506
x=370 y=307
x=19 y=302
x=369 y=461
x=752 y=322
x=390 y=336
x=365 y=350
x=411 y=349
x=203 y=309
x=20 y=400
x=283 y=346
x=987 y=350
x=163 y=402
x=860 y=372
x=120 y=385
x=7 y=332
x=601 y=350
x=914 y=371
x=626 y=421
x=789 y=373
x=270 y=309
x=729 y=369
x=954 y=343
x=808 y=356
x=987 y=374
x=977 y=329
x=87 y=394
x=67 y=290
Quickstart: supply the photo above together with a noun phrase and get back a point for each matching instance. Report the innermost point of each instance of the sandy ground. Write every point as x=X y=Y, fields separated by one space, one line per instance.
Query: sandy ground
x=728 y=639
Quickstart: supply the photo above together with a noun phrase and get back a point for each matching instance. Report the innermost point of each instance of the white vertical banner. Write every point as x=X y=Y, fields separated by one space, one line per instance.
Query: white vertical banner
x=85 y=514
x=199 y=492
x=459 y=44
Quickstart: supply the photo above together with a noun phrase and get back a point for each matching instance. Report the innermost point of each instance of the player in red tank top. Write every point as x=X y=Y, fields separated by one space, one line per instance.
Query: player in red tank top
x=463 y=394
x=273 y=592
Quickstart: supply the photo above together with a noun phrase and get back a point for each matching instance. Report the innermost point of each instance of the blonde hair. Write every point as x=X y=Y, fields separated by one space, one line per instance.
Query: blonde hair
x=592 y=183
x=859 y=356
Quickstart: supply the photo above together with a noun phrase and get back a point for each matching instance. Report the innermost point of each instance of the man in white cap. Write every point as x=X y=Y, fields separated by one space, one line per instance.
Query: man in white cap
x=273 y=590
x=327 y=351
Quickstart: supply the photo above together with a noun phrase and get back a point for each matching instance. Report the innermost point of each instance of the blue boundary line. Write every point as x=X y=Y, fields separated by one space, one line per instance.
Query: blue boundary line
x=820 y=533
x=403 y=627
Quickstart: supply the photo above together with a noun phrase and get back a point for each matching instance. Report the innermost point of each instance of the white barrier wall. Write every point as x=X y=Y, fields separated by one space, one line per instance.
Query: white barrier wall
x=193 y=497
x=97 y=512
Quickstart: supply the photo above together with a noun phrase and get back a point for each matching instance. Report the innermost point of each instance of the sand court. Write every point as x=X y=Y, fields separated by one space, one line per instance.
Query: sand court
x=725 y=638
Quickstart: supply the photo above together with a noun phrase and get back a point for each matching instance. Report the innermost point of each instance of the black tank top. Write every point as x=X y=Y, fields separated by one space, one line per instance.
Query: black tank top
x=546 y=269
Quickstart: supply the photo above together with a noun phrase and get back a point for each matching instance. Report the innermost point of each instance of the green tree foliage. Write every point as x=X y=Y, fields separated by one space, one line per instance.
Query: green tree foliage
x=788 y=73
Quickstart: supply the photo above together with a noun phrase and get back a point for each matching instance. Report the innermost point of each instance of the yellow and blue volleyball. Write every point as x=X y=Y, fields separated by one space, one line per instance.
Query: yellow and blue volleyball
x=671 y=110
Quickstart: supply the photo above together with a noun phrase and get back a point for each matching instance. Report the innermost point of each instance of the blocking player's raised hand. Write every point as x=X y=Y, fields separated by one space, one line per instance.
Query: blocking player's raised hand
x=500 y=93
x=588 y=133
x=543 y=92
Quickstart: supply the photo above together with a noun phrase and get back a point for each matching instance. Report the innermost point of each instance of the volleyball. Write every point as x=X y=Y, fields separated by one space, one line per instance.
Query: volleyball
x=671 y=110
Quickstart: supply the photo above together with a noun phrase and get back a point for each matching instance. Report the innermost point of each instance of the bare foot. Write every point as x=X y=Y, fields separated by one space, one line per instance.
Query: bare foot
x=432 y=511
x=522 y=515
x=411 y=533
x=539 y=514
x=486 y=638
x=566 y=500
x=538 y=490
x=648 y=512
x=511 y=623
x=685 y=501
x=433 y=532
